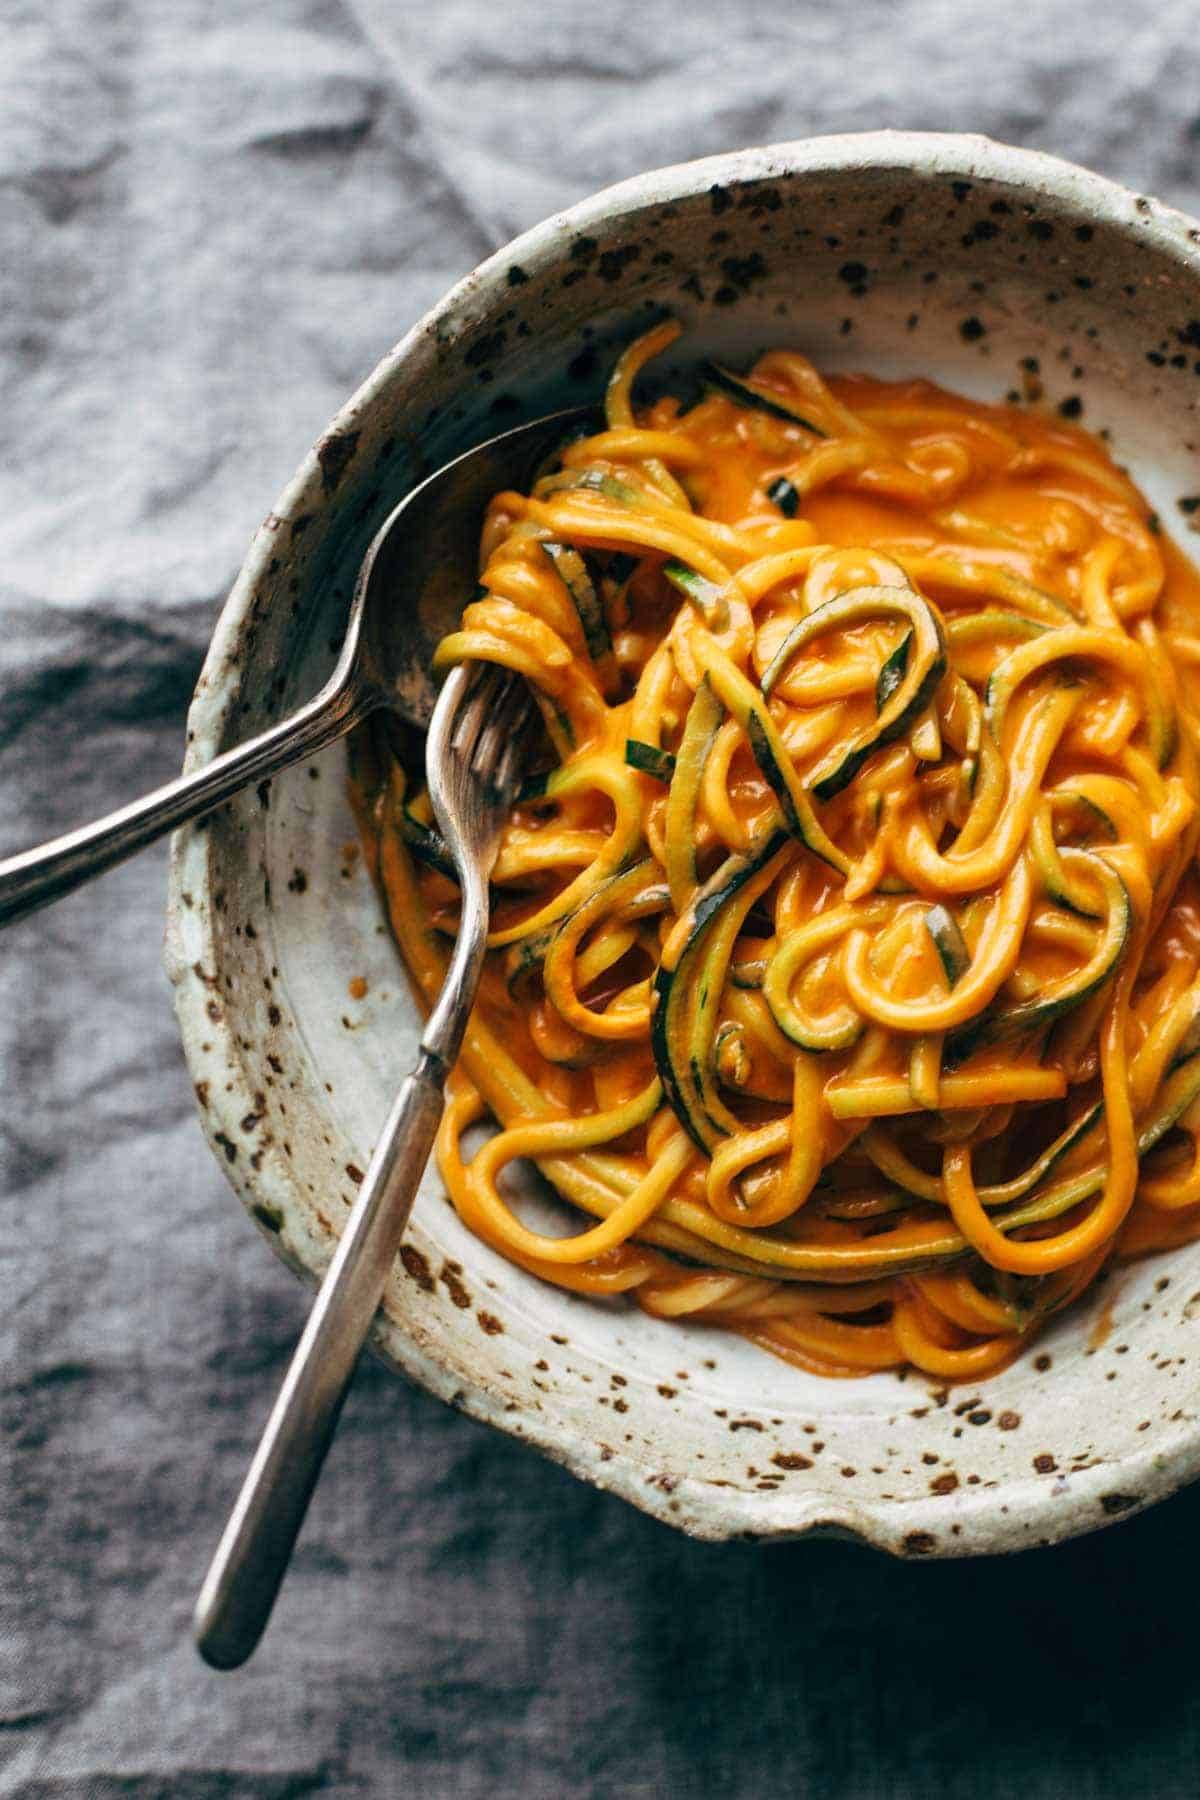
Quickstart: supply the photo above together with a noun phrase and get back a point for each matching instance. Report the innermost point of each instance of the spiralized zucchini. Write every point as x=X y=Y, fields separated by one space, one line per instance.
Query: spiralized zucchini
x=845 y=961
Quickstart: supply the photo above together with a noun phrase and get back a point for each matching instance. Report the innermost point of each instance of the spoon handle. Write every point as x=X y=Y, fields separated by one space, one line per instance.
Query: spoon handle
x=244 y=1577
x=35 y=877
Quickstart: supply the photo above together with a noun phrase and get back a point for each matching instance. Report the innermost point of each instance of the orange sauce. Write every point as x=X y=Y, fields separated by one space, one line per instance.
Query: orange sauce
x=845 y=971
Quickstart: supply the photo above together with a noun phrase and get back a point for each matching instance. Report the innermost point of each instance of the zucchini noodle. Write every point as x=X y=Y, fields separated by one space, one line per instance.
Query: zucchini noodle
x=844 y=971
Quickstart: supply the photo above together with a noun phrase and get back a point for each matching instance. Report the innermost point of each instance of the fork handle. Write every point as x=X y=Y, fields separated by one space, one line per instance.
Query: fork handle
x=35 y=877
x=252 y=1556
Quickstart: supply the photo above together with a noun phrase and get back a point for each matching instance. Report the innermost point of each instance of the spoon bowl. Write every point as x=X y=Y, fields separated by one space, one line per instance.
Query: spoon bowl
x=422 y=564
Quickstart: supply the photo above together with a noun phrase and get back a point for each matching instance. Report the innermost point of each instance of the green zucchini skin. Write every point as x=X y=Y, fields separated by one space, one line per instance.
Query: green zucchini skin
x=1005 y=1193
x=949 y=942
x=598 y=481
x=782 y=494
x=524 y=958
x=768 y=762
x=1178 y=1092
x=993 y=622
x=730 y=1057
x=1051 y=1201
x=1047 y=855
x=1189 y=1043
x=746 y=395
x=1181 y=1087
x=705 y=595
x=892 y=673
x=749 y=974
x=533 y=788
x=699 y=735
x=1053 y=875
x=817 y=1039
x=671 y=987
x=527 y=955
x=1065 y=1142
x=573 y=573
x=1032 y=1017
x=925 y=665
x=427 y=844
x=747 y=704
x=650 y=760
x=1160 y=721
x=1087 y=803
x=797 y=825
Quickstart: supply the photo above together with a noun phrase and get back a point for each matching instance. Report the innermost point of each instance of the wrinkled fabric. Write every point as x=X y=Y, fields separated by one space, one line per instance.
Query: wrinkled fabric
x=214 y=218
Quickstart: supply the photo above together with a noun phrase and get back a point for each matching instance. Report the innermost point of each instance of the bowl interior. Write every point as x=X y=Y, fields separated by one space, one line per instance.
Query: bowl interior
x=992 y=272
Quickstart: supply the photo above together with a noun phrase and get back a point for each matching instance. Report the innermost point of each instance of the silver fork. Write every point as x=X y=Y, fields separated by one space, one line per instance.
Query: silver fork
x=474 y=752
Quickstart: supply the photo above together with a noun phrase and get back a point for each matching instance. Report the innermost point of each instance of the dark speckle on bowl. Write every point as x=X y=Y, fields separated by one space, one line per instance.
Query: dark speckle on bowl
x=584 y=366
x=334 y=453
x=416 y=1266
x=485 y=348
x=1113 y=1504
x=451 y=1278
x=613 y=263
x=743 y=270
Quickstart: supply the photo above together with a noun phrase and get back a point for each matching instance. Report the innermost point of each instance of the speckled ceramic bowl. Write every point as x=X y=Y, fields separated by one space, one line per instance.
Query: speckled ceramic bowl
x=992 y=269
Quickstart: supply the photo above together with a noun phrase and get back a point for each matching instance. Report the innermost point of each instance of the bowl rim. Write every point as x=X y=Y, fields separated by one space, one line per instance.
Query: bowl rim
x=1161 y=1467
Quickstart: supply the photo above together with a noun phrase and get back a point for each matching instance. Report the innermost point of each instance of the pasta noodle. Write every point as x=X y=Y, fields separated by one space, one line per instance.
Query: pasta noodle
x=845 y=961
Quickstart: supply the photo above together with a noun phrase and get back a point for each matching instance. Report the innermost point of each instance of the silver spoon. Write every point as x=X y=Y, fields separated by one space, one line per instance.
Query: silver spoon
x=418 y=571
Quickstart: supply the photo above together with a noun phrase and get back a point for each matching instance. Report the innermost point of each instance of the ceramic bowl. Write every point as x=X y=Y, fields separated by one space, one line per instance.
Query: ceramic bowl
x=994 y=270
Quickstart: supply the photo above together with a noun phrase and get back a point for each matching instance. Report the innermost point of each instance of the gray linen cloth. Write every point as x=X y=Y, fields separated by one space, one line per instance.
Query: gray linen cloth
x=214 y=218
